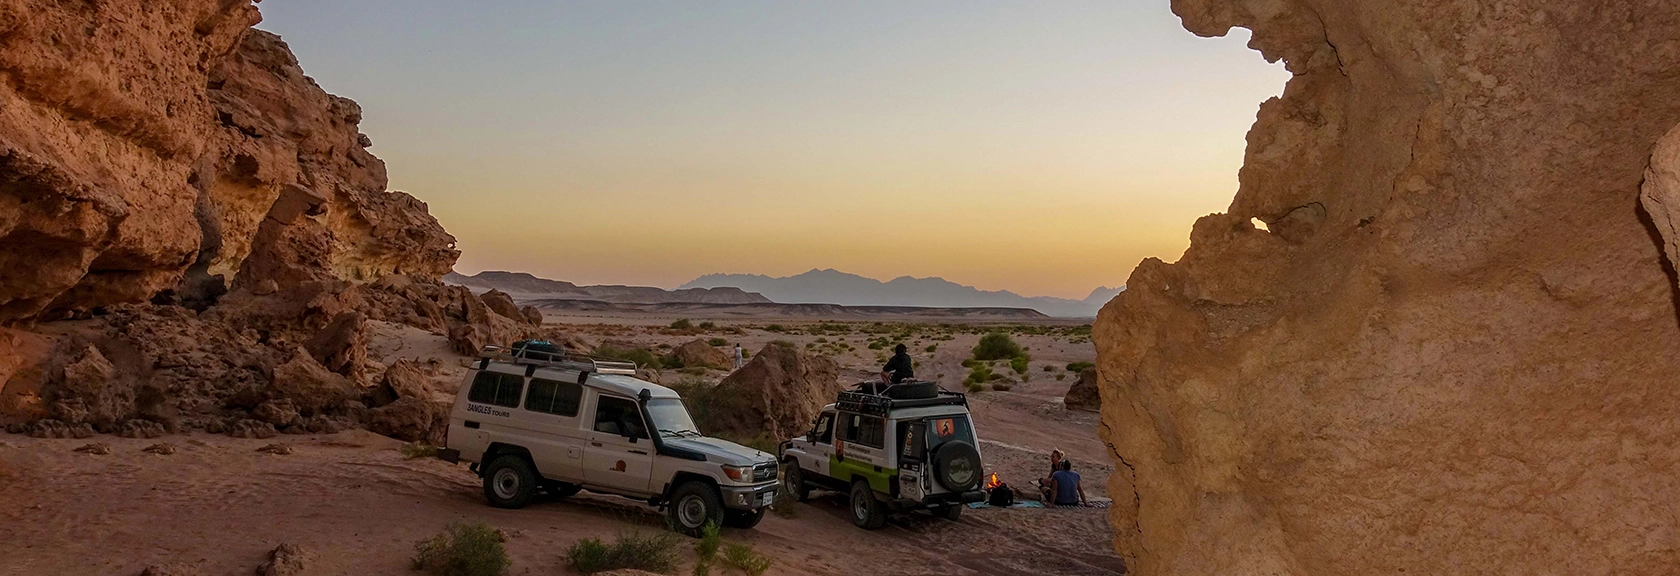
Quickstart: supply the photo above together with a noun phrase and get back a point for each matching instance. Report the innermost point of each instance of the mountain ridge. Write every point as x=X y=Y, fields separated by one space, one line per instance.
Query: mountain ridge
x=831 y=286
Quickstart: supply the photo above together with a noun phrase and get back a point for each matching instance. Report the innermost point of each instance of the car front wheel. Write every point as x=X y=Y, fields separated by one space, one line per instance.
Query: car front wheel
x=793 y=482
x=692 y=506
x=867 y=512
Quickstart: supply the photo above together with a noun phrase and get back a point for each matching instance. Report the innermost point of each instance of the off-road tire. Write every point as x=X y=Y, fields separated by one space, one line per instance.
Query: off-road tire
x=868 y=513
x=793 y=482
x=952 y=512
x=742 y=519
x=558 y=490
x=510 y=481
x=956 y=466
x=692 y=505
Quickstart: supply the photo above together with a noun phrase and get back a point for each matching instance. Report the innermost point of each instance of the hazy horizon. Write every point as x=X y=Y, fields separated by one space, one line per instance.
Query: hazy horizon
x=1039 y=149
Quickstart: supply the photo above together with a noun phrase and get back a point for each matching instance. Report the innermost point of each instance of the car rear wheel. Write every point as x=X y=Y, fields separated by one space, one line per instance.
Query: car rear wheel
x=692 y=506
x=510 y=482
x=793 y=482
x=561 y=489
x=952 y=512
x=867 y=512
x=742 y=519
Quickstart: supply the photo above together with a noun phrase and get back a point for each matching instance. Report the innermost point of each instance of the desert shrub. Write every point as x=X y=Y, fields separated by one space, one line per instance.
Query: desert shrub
x=694 y=370
x=683 y=324
x=1077 y=367
x=462 y=550
x=663 y=346
x=979 y=373
x=708 y=325
x=1018 y=364
x=996 y=346
x=1049 y=368
x=711 y=538
x=996 y=376
x=743 y=558
x=1062 y=376
x=778 y=328
x=975 y=387
x=784 y=344
x=877 y=345
x=414 y=450
x=968 y=363
x=650 y=552
x=1001 y=386
x=932 y=348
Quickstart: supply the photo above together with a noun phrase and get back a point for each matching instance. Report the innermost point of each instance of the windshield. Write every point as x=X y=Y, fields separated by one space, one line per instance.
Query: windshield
x=671 y=418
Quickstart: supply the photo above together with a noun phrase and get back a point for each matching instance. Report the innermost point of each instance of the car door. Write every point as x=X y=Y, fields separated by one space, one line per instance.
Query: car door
x=552 y=413
x=619 y=456
x=821 y=446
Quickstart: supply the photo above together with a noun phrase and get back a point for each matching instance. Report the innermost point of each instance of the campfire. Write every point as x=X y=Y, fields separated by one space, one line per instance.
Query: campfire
x=993 y=482
x=998 y=493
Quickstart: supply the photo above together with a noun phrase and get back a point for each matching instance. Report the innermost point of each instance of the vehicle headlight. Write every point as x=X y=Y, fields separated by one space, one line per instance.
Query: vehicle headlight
x=737 y=473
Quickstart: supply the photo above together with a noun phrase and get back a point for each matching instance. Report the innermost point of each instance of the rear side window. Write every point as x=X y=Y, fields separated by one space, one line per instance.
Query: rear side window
x=865 y=430
x=496 y=388
x=551 y=397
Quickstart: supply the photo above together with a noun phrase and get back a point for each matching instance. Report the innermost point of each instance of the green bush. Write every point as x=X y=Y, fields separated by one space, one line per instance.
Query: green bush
x=968 y=363
x=775 y=328
x=1001 y=386
x=743 y=558
x=683 y=324
x=975 y=387
x=1049 y=368
x=1062 y=376
x=710 y=540
x=717 y=342
x=932 y=348
x=877 y=345
x=418 y=450
x=651 y=552
x=707 y=325
x=996 y=346
x=979 y=373
x=1077 y=367
x=1018 y=364
x=462 y=550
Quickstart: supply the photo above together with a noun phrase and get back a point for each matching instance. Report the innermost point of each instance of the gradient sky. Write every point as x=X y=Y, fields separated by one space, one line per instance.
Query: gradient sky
x=1039 y=147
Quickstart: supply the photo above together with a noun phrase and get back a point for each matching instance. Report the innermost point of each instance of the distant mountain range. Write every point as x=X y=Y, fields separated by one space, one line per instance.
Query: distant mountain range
x=836 y=287
x=523 y=286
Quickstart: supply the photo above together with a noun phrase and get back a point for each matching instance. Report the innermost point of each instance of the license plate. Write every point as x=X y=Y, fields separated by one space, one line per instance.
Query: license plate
x=767 y=498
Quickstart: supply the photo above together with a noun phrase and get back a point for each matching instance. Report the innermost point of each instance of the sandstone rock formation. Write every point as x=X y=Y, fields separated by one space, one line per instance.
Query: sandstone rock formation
x=155 y=148
x=777 y=394
x=700 y=354
x=1084 y=393
x=1453 y=348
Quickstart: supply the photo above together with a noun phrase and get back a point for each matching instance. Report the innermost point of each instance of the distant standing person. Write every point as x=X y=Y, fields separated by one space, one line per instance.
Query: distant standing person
x=738 y=361
x=900 y=367
x=1065 y=485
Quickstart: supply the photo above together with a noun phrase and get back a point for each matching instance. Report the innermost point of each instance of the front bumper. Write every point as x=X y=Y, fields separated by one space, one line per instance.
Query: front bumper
x=748 y=497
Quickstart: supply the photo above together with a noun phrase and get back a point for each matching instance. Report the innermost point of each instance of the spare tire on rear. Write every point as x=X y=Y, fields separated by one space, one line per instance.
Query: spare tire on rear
x=912 y=391
x=956 y=466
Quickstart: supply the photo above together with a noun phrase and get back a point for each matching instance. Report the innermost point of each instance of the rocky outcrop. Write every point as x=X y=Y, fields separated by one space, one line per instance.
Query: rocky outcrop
x=697 y=353
x=160 y=149
x=777 y=394
x=1452 y=347
x=1084 y=393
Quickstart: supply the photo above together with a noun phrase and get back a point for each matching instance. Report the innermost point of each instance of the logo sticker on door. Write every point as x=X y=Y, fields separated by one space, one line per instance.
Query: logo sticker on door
x=945 y=427
x=619 y=467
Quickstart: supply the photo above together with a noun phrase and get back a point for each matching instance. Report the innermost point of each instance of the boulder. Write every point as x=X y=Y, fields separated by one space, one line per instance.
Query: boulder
x=777 y=394
x=501 y=303
x=1451 y=347
x=1083 y=394
x=280 y=412
x=310 y=386
x=411 y=419
x=342 y=346
x=699 y=353
x=532 y=315
x=286 y=560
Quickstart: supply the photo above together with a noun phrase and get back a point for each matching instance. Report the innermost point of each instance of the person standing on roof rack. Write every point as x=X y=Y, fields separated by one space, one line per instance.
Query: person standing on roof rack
x=900 y=367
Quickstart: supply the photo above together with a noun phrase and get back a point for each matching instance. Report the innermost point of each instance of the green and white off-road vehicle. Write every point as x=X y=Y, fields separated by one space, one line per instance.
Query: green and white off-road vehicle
x=909 y=446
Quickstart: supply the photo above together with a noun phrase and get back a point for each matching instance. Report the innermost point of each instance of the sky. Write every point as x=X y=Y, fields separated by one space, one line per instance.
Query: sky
x=1039 y=147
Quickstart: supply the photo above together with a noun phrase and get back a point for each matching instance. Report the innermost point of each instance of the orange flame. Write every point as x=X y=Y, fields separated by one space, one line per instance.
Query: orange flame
x=993 y=482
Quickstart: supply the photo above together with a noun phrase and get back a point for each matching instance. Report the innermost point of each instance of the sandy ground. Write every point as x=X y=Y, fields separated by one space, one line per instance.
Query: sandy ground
x=354 y=503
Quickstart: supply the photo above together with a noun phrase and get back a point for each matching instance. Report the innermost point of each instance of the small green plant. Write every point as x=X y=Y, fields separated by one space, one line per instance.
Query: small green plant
x=650 y=552
x=743 y=558
x=932 y=348
x=979 y=373
x=414 y=450
x=975 y=387
x=717 y=342
x=996 y=346
x=777 y=328
x=1001 y=386
x=462 y=550
x=1077 y=367
x=1018 y=364
x=1049 y=368
x=710 y=540
x=683 y=324
x=707 y=325
x=1062 y=376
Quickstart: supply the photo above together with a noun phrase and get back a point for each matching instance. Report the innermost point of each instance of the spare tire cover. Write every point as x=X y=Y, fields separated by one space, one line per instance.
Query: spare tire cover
x=956 y=465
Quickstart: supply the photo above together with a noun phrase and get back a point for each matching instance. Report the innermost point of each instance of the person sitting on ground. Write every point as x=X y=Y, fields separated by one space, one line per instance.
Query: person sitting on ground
x=1065 y=485
x=899 y=368
x=1056 y=457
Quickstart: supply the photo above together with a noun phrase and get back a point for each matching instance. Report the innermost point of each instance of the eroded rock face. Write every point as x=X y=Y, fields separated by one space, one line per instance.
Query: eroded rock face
x=777 y=394
x=1454 y=351
x=1084 y=394
x=697 y=353
x=147 y=147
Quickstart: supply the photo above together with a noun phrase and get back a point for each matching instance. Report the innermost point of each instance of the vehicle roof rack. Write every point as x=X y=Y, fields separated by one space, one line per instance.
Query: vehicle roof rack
x=878 y=405
x=563 y=360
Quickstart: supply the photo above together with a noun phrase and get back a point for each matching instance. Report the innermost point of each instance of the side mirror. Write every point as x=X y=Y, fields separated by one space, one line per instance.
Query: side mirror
x=811 y=436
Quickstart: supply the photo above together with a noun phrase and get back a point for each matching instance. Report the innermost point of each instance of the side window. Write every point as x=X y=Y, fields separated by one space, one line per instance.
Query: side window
x=870 y=432
x=825 y=429
x=619 y=417
x=551 y=397
x=496 y=388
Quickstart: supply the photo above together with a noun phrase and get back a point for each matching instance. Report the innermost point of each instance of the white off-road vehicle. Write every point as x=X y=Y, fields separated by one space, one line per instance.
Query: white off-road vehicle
x=532 y=418
x=910 y=446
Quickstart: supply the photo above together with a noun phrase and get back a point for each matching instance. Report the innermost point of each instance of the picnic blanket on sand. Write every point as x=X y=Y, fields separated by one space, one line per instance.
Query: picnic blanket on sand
x=1037 y=504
